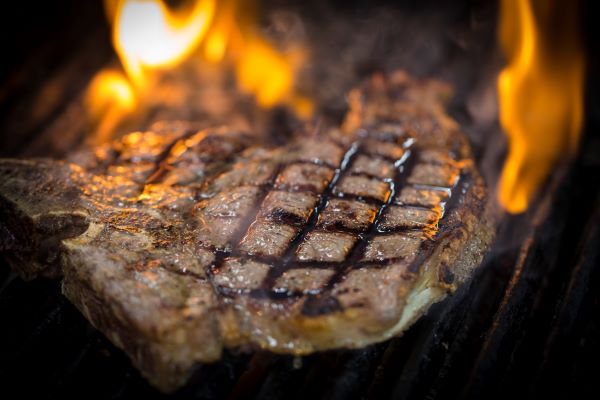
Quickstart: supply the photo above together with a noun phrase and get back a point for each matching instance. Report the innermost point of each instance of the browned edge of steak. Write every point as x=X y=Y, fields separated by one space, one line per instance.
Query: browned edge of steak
x=166 y=353
x=37 y=211
x=167 y=366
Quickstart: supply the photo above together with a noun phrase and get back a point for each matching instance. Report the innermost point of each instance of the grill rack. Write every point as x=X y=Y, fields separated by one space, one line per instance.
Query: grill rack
x=527 y=323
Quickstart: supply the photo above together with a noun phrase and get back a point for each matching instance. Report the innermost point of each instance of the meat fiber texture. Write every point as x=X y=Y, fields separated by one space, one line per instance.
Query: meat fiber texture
x=178 y=243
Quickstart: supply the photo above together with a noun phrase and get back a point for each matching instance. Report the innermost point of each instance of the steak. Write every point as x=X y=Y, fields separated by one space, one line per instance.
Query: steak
x=177 y=243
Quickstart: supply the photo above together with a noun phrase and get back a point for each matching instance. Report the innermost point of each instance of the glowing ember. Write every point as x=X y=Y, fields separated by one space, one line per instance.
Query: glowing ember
x=149 y=37
x=541 y=94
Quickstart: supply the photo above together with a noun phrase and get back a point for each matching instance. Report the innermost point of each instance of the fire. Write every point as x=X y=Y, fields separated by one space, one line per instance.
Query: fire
x=221 y=32
x=110 y=99
x=270 y=75
x=540 y=94
x=150 y=37
x=147 y=34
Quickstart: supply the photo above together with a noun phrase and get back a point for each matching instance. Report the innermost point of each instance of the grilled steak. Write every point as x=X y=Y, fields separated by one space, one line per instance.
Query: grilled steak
x=177 y=243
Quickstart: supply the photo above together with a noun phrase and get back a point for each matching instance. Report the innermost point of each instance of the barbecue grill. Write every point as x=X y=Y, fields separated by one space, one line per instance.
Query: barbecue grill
x=527 y=324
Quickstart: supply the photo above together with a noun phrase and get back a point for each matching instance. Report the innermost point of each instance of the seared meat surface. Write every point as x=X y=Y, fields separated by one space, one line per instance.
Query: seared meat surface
x=177 y=243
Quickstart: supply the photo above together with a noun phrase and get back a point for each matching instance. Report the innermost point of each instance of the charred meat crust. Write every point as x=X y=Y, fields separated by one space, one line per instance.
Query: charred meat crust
x=176 y=243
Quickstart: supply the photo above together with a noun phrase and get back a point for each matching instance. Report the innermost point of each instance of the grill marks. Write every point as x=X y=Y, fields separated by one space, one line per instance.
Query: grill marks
x=318 y=307
x=209 y=240
x=274 y=218
x=308 y=220
x=296 y=242
x=312 y=225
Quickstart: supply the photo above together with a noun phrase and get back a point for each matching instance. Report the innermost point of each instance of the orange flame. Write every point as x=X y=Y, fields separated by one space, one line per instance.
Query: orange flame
x=540 y=94
x=269 y=75
x=111 y=96
x=221 y=31
x=149 y=36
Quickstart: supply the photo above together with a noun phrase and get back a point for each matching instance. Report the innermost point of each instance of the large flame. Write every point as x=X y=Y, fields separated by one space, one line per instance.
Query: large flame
x=540 y=93
x=149 y=36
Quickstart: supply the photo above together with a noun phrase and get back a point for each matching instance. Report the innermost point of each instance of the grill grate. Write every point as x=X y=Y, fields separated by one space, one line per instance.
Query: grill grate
x=527 y=321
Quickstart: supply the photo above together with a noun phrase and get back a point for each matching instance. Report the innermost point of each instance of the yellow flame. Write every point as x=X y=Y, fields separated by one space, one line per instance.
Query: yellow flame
x=265 y=72
x=110 y=98
x=113 y=87
x=149 y=36
x=216 y=45
x=220 y=32
x=540 y=95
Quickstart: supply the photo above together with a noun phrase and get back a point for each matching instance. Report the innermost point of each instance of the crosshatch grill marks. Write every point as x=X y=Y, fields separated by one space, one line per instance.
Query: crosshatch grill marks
x=325 y=302
x=234 y=239
x=278 y=270
x=283 y=224
x=180 y=316
x=358 y=161
x=255 y=222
